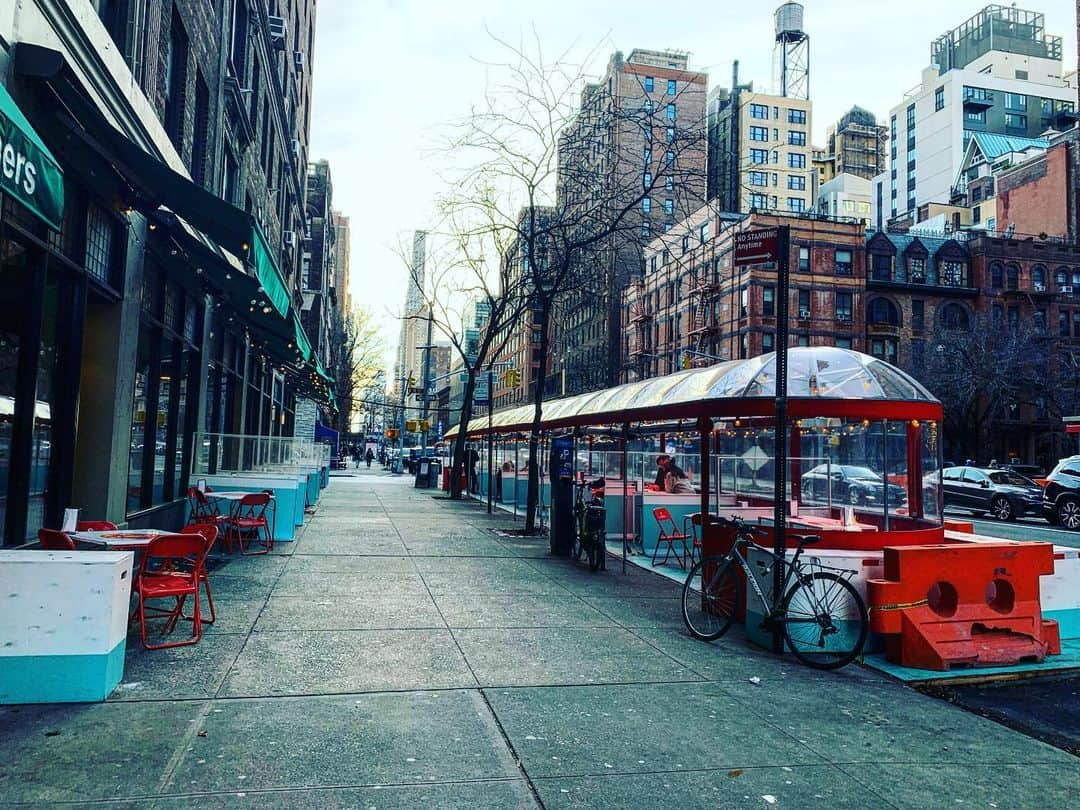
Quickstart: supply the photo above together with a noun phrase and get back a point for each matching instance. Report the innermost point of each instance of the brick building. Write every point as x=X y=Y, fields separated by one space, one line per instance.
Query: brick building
x=691 y=306
x=642 y=126
x=1040 y=195
x=161 y=298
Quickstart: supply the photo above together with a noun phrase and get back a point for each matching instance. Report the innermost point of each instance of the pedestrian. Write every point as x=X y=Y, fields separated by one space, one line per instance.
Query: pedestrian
x=356 y=456
x=369 y=457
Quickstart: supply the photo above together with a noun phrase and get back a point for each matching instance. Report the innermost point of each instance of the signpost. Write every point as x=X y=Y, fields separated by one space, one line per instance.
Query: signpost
x=758 y=247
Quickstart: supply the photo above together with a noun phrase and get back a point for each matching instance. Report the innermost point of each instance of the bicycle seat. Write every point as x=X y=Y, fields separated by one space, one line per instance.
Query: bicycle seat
x=809 y=539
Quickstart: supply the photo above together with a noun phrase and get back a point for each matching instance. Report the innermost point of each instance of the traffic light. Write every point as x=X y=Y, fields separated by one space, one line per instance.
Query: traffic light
x=687 y=361
x=512 y=378
x=425 y=426
x=410 y=425
x=391 y=433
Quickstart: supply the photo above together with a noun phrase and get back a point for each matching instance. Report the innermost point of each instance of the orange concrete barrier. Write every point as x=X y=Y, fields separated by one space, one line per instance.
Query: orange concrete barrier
x=965 y=526
x=961 y=605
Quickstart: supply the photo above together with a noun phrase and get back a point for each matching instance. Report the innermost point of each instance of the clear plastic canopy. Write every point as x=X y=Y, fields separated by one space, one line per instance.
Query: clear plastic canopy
x=817 y=372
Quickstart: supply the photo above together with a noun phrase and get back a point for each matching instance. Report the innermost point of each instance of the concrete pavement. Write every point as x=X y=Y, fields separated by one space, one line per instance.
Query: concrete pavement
x=401 y=653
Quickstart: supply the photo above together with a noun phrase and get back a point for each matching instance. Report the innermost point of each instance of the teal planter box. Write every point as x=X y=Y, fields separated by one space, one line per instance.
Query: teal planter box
x=289 y=497
x=63 y=628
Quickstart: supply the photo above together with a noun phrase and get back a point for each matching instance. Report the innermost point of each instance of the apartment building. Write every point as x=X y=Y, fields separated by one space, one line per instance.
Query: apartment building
x=856 y=144
x=639 y=135
x=692 y=307
x=845 y=195
x=998 y=72
x=342 y=274
x=760 y=155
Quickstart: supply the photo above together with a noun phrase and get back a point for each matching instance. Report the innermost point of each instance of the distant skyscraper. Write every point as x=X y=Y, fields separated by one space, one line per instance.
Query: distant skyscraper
x=341 y=265
x=413 y=322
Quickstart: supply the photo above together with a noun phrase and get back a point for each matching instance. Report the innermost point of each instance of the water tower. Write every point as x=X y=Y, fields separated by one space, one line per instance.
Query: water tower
x=791 y=55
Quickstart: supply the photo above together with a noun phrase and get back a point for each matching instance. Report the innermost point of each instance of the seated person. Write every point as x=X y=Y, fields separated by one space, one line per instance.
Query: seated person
x=661 y=471
x=677 y=483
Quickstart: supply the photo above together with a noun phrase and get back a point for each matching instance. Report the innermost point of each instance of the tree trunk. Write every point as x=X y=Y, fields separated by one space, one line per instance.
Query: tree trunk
x=459 y=441
x=534 y=435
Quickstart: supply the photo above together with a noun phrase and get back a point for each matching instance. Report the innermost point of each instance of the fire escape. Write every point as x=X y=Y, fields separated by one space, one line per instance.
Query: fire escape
x=703 y=324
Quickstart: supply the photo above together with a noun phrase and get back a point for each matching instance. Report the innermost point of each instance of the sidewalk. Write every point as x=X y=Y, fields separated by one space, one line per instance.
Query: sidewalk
x=401 y=654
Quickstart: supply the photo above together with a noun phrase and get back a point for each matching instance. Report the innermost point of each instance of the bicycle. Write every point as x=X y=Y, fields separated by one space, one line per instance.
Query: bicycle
x=590 y=521
x=823 y=619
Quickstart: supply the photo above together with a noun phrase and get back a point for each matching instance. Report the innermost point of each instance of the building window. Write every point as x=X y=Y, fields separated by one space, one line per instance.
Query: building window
x=685 y=243
x=804 y=260
x=744 y=297
x=671 y=87
x=954 y=274
x=647 y=154
x=99 y=243
x=843 y=262
x=647 y=106
x=796 y=160
x=768 y=341
x=917 y=269
x=796 y=182
x=669 y=183
x=796 y=204
x=669 y=207
x=881 y=267
x=176 y=82
x=759 y=201
x=1016 y=101
x=759 y=156
x=646 y=232
x=646 y=180
x=646 y=205
x=768 y=301
x=796 y=116
x=759 y=111
x=670 y=112
x=804 y=304
x=997 y=275
x=884 y=349
x=910 y=118
x=671 y=134
x=703 y=233
x=883 y=311
x=759 y=179
x=843 y=306
x=802 y=340
x=918 y=312
x=669 y=157
x=796 y=138
x=1038 y=278
x=648 y=84
x=759 y=133
x=1063 y=323
x=843 y=342
x=939 y=99
x=1012 y=277
x=954 y=316
x=1015 y=121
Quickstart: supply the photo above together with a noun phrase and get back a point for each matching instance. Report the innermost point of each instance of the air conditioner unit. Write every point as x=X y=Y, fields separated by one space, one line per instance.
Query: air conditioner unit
x=298 y=61
x=1066 y=290
x=843 y=318
x=804 y=314
x=288 y=238
x=1040 y=288
x=275 y=26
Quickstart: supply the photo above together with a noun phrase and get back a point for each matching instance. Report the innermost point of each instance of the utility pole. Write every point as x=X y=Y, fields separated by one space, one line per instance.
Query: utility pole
x=491 y=444
x=401 y=428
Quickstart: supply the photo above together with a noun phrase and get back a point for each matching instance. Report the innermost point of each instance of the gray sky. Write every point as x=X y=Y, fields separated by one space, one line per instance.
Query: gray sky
x=387 y=73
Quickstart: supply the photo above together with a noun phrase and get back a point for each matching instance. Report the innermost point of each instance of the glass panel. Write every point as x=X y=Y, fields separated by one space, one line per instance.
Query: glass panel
x=167 y=378
x=41 y=448
x=138 y=419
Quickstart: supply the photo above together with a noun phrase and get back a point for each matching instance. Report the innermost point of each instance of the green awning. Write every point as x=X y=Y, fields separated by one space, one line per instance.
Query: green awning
x=267 y=271
x=28 y=171
x=301 y=338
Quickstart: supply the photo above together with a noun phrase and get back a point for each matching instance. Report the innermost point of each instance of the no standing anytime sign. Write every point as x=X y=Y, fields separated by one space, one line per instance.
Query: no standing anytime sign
x=755 y=247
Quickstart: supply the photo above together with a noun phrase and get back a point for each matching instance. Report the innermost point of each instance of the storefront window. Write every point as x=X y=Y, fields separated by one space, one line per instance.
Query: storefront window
x=138 y=419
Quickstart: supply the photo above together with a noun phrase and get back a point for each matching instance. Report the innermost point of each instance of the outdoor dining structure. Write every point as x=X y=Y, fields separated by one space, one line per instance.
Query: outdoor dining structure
x=862 y=472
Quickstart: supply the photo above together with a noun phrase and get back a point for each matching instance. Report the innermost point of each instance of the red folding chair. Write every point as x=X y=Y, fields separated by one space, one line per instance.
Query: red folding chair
x=694 y=522
x=669 y=534
x=203 y=510
x=95 y=526
x=249 y=518
x=52 y=540
x=170 y=569
x=209 y=535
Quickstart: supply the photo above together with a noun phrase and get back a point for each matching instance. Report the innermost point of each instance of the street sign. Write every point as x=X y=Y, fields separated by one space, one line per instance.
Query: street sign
x=755 y=247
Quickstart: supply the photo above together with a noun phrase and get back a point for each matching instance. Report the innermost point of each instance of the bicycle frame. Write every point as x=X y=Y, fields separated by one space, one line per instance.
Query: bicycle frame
x=790 y=568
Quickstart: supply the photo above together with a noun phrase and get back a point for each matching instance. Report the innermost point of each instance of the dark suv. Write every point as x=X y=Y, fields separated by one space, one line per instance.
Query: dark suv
x=1003 y=493
x=1061 y=496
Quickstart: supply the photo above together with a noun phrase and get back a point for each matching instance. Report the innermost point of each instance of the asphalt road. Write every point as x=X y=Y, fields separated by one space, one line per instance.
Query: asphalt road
x=1027 y=528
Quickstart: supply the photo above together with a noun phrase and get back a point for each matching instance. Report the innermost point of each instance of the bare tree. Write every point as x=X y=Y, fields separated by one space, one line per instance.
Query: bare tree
x=981 y=371
x=358 y=355
x=561 y=169
x=466 y=271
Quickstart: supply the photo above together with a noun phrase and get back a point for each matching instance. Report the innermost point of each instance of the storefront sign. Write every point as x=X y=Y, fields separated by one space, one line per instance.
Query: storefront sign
x=28 y=172
x=756 y=247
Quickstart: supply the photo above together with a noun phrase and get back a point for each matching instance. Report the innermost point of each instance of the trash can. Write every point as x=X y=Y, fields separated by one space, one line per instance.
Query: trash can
x=434 y=472
x=421 y=466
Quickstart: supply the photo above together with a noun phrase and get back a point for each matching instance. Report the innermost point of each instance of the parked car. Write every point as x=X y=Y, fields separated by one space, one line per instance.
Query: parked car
x=1004 y=494
x=1061 y=495
x=859 y=486
x=1026 y=470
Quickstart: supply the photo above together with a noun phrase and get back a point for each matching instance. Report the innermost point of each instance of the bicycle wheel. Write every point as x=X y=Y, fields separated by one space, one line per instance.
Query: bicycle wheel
x=825 y=621
x=597 y=553
x=710 y=596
